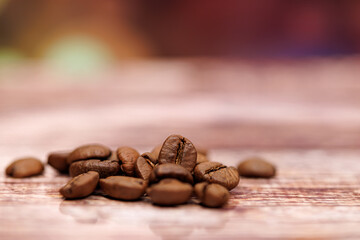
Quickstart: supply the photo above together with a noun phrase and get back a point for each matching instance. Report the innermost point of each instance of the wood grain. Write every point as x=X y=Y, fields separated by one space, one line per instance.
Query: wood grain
x=303 y=116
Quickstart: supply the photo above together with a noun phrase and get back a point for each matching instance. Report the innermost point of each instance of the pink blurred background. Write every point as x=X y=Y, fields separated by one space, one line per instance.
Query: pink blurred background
x=138 y=28
x=230 y=73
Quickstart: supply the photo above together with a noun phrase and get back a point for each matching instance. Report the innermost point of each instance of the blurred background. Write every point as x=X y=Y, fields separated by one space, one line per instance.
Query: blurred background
x=228 y=73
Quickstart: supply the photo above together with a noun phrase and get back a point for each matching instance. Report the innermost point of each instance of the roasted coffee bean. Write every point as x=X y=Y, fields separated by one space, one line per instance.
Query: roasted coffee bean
x=214 y=172
x=123 y=187
x=201 y=158
x=91 y=151
x=211 y=194
x=127 y=157
x=170 y=192
x=202 y=151
x=113 y=156
x=58 y=160
x=257 y=168
x=156 y=151
x=80 y=186
x=144 y=165
x=105 y=168
x=25 y=167
x=179 y=150
x=170 y=170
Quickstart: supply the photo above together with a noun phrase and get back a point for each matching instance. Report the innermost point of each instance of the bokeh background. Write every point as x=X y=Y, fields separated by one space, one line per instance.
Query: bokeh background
x=226 y=74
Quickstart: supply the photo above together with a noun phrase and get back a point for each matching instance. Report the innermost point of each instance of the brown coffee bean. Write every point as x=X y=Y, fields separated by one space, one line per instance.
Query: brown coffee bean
x=105 y=168
x=214 y=172
x=202 y=151
x=58 y=160
x=25 y=167
x=179 y=150
x=127 y=157
x=211 y=194
x=257 y=168
x=201 y=158
x=113 y=156
x=156 y=151
x=123 y=187
x=144 y=165
x=170 y=170
x=80 y=186
x=91 y=151
x=170 y=192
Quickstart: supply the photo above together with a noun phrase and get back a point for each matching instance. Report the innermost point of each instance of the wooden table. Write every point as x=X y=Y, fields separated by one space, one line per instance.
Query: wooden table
x=304 y=116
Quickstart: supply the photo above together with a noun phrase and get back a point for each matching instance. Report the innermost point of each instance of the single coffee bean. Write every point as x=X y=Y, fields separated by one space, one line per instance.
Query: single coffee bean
x=80 y=186
x=211 y=194
x=25 y=167
x=257 y=168
x=58 y=160
x=214 y=172
x=123 y=187
x=156 y=151
x=91 y=151
x=144 y=165
x=127 y=157
x=201 y=158
x=170 y=170
x=201 y=150
x=105 y=168
x=170 y=192
x=179 y=150
x=113 y=156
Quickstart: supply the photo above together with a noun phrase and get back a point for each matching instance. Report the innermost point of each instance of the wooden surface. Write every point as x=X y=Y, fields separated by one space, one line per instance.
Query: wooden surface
x=303 y=116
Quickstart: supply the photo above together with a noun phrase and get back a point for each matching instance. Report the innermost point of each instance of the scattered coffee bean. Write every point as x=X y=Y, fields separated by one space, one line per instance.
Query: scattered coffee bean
x=179 y=150
x=58 y=160
x=25 y=167
x=170 y=192
x=113 y=156
x=257 y=168
x=80 y=186
x=201 y=158
x=91 y=151
x=211 y=194
x=170 y=170
x=144 y=165
x=214 y=172
x=202 y=151
x=123 y=187
x=127 y=157
x=156 y=151
x=105 y=168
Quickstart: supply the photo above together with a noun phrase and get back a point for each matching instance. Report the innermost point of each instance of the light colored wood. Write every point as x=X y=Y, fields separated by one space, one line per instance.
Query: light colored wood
x=302 y=116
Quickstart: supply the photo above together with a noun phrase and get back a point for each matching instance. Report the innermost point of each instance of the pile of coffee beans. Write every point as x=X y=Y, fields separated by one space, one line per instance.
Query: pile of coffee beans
x=168 y=175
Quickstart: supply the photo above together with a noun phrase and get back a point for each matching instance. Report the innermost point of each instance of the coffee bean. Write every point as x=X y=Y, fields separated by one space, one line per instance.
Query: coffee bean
x=144 y=165
x=80 y=186
x=91 y=151
x=156 y=151
x=256 y=167
x=214 y=172
x=170 y=170
x=113 y=156
x=179 y=150
x=58 y=160
x=25 y=167
x=201 y=150
x=201 y=158
x=105 y=168
x=127 y=157
x=123 y=187
x=170 y=192
x=211 y=194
